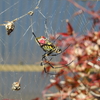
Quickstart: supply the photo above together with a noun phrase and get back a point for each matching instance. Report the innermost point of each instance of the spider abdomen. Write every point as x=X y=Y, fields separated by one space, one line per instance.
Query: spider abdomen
x=48 y=48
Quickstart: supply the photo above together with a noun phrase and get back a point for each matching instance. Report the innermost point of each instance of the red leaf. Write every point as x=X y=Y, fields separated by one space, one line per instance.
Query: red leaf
x=47 y=69
x=64 y=34
x=69 y=28
x=50 y=85
x=84 y=9
x=36 y=98
x=90 y=5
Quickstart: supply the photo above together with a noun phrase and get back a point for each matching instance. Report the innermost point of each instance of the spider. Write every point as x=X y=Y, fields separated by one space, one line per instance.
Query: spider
x=16 y=85
x=48 y=47
x=9 y=26
x=50 y=50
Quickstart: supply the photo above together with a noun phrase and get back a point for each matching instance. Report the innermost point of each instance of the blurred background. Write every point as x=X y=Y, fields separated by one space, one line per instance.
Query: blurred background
x=19 y=53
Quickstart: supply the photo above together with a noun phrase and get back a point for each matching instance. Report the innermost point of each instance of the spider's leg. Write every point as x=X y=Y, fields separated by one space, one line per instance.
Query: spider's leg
x=44 y=60
x=55 y=67
x=69 y=63
x=42 y=63
x=61 y=51
x=34 y=34
x=55 y=54
x=33 y=30
x=49 y=72
x=36 y=39
x=46 y=70
x=56 y=39
x=46 y=54
x=66 y=48
x=61 y=67
x=51 y=67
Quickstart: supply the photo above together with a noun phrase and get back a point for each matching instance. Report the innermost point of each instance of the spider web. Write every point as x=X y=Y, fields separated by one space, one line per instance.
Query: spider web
x=20 y=48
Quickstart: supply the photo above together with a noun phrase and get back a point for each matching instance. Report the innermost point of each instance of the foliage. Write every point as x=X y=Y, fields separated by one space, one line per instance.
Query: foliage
x=81 y=77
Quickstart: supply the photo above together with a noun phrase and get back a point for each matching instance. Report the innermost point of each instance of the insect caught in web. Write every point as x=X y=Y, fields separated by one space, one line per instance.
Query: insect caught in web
x=9 y=26
x=16 y=85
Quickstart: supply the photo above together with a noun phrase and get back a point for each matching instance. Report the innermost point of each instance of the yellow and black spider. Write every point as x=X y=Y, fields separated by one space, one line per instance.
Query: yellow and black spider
x=50 y=50
x=48 y=47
